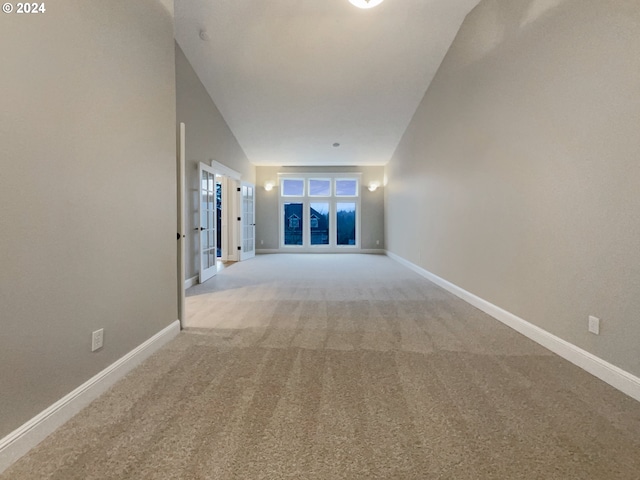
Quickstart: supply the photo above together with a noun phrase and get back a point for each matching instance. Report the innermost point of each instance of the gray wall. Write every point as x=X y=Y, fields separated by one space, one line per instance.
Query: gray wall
x=372 y=204
x=208 y=137
x=87 y=196
x=518 y=177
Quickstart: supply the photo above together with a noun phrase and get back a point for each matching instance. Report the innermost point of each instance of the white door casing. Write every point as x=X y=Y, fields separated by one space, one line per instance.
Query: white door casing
x=231 y=210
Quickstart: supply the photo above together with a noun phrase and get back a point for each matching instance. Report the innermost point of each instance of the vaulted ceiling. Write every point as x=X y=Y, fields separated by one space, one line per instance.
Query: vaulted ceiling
x=294 y=77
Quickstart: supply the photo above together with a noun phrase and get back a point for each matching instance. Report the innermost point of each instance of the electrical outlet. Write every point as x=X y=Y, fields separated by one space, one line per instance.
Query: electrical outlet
x=377 y=242
x=594 y=325
x=97 y=339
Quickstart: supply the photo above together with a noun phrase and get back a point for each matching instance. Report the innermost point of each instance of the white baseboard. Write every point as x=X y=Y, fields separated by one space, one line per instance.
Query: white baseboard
x=378 y=251
x=24 y=438
x=605 y=371
x=190 y=282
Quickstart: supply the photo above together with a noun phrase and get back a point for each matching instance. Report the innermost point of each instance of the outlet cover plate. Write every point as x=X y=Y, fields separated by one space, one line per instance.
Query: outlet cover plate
x=594 y=325
x=97 y=339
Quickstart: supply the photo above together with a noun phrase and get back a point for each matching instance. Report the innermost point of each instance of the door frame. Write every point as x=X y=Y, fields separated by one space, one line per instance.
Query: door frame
x=231 y=181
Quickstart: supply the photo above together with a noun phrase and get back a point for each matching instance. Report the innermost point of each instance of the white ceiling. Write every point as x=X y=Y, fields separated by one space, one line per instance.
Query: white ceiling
x=291 y=77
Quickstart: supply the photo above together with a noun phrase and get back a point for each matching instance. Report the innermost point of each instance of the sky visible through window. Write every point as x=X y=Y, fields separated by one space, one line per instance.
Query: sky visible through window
x=292 y=187
x=319 y=188
x=346 y=188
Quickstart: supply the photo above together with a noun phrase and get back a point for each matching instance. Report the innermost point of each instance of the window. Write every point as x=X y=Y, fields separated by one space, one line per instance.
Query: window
x=346 y=223
x=292 y=187
x=319 y=211
x=319 y=187
x=319 y=223
x=346 y=187
x=293 y=223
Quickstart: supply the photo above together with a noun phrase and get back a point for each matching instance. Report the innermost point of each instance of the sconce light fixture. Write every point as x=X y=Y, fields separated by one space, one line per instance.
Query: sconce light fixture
x=268 y=186
x=365 y=3
x=373 y=186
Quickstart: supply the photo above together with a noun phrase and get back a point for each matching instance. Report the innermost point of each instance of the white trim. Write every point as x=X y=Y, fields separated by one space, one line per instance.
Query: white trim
x=24 y=438
x=368 y=251
x=226 y=171
x=190 y=282
x=605 y=371
x=319 y=175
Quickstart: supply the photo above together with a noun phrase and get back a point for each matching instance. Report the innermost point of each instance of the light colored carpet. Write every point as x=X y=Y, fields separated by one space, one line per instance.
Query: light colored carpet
x=344 y=367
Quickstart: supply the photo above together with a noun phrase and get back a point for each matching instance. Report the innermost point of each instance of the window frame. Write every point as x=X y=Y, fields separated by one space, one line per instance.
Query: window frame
x=307 y=199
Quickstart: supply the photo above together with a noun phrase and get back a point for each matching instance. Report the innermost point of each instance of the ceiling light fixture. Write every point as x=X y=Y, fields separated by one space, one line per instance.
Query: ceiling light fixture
x=204 y=35
x=365 y=3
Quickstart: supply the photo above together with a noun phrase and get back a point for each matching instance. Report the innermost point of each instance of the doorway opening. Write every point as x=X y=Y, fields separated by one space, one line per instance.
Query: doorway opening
x=216 y=221
x=218 y=230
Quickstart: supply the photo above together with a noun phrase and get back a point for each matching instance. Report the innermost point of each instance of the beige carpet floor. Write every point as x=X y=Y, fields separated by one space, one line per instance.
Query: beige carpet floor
x=344 y=367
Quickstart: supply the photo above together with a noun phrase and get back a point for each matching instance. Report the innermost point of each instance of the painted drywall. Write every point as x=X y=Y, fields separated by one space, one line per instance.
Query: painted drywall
x=518 y=176
x=87 y=196
x=168 y=5
x=267 y=205
x=207 y=138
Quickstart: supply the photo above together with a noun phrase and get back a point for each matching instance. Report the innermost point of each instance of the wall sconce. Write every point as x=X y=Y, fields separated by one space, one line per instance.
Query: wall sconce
x=268 y=186
x=365 y=3
x=373 y=186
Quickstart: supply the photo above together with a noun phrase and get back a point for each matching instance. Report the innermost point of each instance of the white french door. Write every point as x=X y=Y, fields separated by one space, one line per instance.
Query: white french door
x=208 y=221
x=248 y=229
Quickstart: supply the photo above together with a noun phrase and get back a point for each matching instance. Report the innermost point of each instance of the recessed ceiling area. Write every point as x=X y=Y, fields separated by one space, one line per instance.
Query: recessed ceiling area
x=294 y=77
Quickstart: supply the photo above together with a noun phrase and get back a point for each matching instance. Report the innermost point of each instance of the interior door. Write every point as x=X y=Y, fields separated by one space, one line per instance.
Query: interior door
x=207 y=210
x=248 y=221
x=181 y=222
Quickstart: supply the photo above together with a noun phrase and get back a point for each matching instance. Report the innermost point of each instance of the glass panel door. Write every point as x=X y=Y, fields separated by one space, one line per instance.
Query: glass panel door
x=207 y=229
x=248 y=222
x=218 y=216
